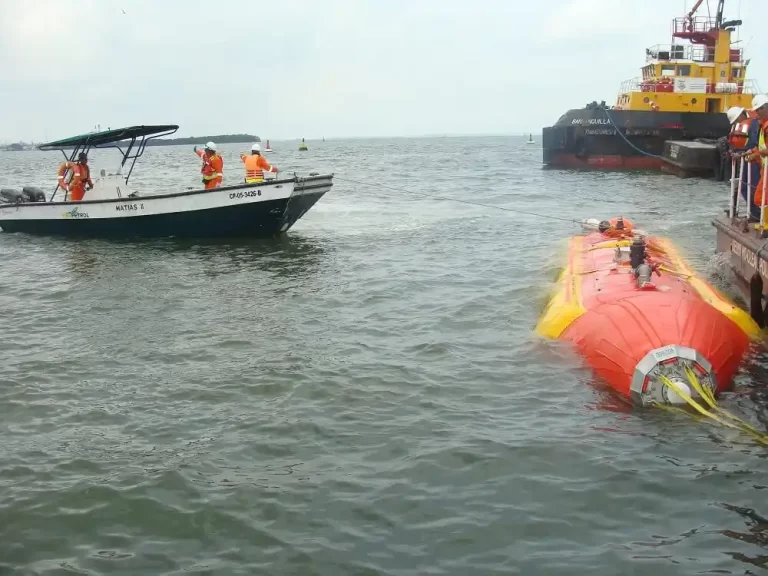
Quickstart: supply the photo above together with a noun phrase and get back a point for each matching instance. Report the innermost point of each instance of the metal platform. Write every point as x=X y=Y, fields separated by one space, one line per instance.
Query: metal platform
x=691 y=158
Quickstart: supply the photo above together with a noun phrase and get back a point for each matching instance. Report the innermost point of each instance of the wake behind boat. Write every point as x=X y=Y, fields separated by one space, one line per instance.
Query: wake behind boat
x=262 y=209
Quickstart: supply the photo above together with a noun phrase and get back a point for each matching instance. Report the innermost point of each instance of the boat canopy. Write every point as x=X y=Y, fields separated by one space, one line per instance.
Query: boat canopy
x=111 y=139
x=96 y=139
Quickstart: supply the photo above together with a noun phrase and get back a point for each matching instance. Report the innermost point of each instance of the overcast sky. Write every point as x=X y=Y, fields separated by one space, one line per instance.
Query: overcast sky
x=333 y=68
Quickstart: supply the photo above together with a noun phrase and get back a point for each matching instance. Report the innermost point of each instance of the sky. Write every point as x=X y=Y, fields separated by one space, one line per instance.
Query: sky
x=333 y=68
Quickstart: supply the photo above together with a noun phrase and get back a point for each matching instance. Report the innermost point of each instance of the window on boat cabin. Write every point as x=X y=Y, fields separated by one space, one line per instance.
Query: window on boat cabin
x=668 y=71
x=684 y=70
x=736 y=72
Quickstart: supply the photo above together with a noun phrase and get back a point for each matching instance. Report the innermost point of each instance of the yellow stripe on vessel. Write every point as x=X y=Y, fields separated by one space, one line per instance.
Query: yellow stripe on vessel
x=708 y=293
x=566 y=305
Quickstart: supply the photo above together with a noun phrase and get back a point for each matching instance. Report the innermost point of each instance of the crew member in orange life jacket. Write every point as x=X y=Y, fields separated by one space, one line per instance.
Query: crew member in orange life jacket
x=213 y=166
x=255 y=164
x=81 y=177
x=745 y=131
x=758 y=156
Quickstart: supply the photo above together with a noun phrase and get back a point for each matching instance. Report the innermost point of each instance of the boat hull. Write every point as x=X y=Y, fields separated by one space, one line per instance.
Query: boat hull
x=587 y=138
x=630 y=335
x=748 y=261
x=263 y=210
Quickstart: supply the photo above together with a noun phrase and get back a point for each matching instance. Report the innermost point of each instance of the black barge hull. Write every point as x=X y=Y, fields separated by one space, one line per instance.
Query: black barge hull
x=596 y=138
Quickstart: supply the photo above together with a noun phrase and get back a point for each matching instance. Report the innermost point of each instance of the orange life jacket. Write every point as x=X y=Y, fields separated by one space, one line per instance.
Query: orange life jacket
x=255 y=164
x=213 y=165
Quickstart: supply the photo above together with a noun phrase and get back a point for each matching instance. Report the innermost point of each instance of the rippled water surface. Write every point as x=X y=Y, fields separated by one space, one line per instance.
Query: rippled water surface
x=363 y=396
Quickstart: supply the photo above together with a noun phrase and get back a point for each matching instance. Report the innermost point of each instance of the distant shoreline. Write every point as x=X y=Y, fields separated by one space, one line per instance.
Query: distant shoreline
x=186 y=141
x=218 y=139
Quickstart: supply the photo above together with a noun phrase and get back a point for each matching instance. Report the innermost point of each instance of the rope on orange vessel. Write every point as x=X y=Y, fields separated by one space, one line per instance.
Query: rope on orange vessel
x=693 y=404
x=715 y=413
x=675 y=272
x=709 y=398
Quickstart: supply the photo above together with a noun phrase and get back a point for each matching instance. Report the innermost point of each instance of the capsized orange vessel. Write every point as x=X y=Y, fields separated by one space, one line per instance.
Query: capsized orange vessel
x=640 y=316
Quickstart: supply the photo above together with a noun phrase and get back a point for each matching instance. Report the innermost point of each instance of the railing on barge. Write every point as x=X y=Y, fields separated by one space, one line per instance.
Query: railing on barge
x=691 y=53
x=736 y=184
x=660 y=85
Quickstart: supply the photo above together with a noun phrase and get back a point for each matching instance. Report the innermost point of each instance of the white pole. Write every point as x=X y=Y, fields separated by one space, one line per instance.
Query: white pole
x=741 y=177
x=731 y=211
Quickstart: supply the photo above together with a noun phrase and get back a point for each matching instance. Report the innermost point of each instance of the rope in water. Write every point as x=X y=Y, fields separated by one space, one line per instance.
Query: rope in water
x=516 y=210
x=715 y=412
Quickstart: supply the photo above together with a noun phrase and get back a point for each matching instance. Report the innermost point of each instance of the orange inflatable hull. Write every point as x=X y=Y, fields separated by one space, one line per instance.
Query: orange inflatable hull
x=634 y=331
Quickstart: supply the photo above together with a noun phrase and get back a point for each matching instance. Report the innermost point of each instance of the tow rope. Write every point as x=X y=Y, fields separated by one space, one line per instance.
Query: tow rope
x=715 y=412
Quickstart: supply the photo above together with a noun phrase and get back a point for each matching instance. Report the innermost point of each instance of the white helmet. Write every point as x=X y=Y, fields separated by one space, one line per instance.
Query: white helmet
x=211 y=146
x=759 y=101
x=255 y=148
x=733 y=113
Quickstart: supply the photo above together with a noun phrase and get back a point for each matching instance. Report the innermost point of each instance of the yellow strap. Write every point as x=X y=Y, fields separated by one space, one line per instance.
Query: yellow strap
x=729 y=420
x=675 y=272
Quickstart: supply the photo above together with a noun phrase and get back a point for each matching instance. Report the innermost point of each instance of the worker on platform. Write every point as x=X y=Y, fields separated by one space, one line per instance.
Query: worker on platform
x=81 y=177
x=758 y=155
x=742 y=138
x=255 y=165
x=213 y=166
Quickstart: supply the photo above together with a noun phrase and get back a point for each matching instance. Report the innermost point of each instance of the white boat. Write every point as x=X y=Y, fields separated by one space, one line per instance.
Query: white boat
x=267 y=148
x=109 y=210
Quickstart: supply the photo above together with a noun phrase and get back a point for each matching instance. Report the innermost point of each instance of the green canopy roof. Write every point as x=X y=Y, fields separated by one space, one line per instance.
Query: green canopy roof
x=110 y=136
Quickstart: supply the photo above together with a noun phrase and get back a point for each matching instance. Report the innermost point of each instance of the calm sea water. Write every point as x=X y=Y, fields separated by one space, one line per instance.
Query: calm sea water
x=362 y=397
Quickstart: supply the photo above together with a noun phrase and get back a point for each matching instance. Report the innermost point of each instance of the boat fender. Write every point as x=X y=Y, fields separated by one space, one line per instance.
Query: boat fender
x=756 y=300
x=636 y=253
x=591 y=224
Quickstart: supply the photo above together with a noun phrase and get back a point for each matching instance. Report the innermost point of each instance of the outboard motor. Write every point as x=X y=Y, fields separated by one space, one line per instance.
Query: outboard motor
x=636 y=252
x=11 y=196
x=33 y=194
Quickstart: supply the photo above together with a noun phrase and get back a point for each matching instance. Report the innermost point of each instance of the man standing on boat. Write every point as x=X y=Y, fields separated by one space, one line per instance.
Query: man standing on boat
x=745 y=130
x=758 y=156
x=255 y=164
x=213 y=166
x=81 y=177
